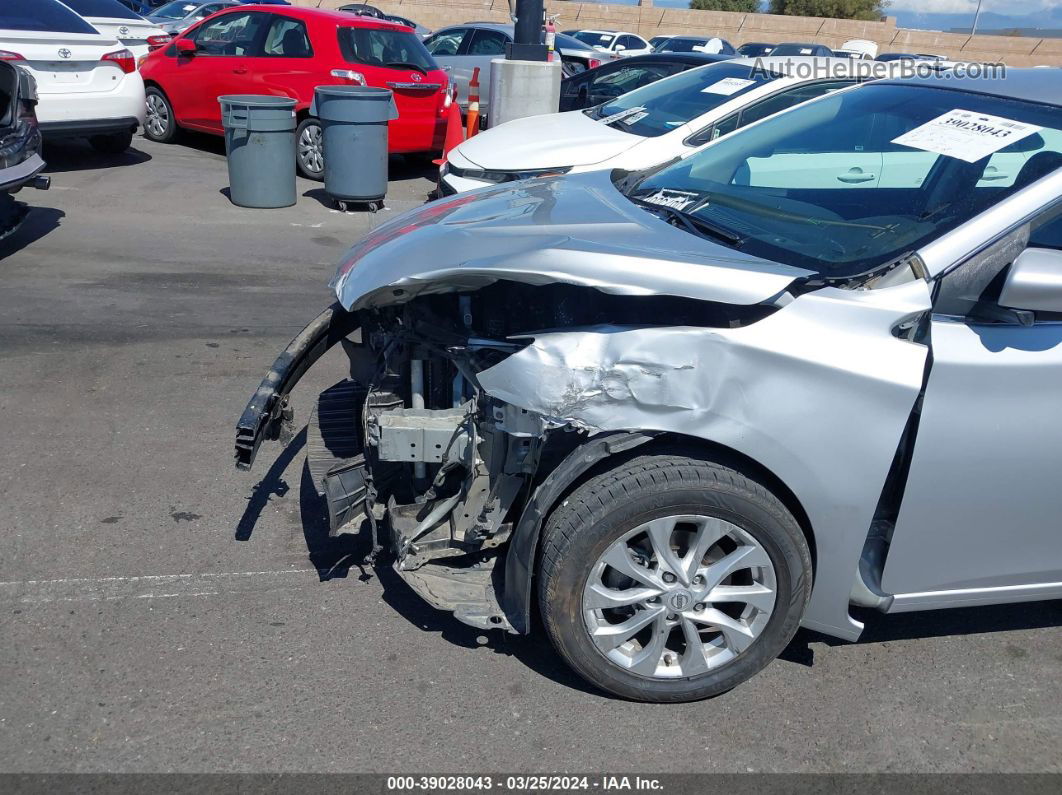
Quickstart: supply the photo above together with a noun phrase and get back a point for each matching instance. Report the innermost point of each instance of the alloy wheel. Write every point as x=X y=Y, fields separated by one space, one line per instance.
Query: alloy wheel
x=310 y=149
x=679 y=596
x=158 y=116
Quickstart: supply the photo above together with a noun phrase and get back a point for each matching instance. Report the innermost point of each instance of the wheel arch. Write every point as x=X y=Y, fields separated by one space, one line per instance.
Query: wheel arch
x=590 y=459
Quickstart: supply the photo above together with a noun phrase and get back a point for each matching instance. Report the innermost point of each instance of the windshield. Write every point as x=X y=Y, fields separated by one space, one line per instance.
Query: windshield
x=796 y=49
x=397 y=49
x=595 y=39
x=563 y=42
x=863 y=177
x=663 y=106
x=101 y=8
x=178 y=9
x=46 y=15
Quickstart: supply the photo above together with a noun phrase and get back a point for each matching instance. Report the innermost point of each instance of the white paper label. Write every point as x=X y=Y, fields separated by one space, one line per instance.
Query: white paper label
x=805 y=51
x=634 y=118
x=623 y=114
x=966 y=135
x=675 y=199
x=728 y=86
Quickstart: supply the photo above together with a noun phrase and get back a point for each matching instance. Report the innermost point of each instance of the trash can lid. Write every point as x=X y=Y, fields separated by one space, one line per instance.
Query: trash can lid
x=360 y=92
x=257 y=101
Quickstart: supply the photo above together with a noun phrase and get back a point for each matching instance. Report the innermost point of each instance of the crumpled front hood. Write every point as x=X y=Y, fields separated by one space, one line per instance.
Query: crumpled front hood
x=573 y=230
x=555 y=140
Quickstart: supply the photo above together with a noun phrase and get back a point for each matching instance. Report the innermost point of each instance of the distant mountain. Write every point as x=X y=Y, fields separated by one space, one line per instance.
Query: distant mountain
x=1048 y=18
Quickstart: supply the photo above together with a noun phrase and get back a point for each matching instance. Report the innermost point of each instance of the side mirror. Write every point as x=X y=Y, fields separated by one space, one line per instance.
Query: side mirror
x=1034 y=282
x=620 y=48
x=185 y=47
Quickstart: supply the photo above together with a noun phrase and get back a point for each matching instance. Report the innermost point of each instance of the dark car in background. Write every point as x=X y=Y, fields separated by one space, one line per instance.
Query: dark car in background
x=613 y=79
x=366 y=10
x=708 y=44
x=20 y=144
x=795 y=48
x=755 y=49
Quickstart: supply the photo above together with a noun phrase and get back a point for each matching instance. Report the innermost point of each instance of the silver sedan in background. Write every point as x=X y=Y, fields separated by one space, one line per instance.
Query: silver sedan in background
x=683 y=413
x=179 y=15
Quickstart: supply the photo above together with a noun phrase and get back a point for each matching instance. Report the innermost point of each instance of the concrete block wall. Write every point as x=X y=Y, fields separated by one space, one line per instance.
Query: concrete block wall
x=650 y=21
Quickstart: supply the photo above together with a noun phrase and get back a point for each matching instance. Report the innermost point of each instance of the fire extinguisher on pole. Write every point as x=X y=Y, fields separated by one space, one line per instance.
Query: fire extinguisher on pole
x=551 y=36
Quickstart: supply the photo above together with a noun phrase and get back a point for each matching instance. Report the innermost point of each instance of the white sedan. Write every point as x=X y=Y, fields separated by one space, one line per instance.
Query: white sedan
x=87 y=84
x=618 y=44
x=648 y=126
x=115 y=21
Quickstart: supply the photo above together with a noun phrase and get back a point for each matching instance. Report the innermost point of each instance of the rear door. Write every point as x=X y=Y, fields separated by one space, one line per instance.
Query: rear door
x=484 y=46
x=447 y=47
x=858 y=165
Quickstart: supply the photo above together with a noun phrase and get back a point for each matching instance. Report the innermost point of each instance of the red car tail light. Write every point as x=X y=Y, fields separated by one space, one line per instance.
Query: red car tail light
x=357 y=78
x=123 y=58
x=592 y=63
x=7 y=55
x=154 y=42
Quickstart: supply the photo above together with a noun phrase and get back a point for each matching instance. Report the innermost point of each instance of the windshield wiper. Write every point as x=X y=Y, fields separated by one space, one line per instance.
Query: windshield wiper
x=404 y=65
x=694 y=224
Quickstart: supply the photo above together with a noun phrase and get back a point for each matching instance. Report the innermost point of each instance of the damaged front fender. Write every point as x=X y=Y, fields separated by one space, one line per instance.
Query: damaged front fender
x=818 y=393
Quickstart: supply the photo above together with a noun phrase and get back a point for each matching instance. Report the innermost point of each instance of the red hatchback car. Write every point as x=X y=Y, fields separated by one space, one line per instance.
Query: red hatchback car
x=287 y=51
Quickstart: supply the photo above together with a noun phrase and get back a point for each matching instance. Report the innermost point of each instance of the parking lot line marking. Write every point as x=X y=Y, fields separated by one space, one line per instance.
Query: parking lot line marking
x=79 y=589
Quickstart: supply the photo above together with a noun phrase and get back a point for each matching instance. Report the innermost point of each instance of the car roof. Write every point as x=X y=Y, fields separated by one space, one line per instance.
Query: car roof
x=810 y=67
x=345 y=18
x=1030 y=85
x=693 y=58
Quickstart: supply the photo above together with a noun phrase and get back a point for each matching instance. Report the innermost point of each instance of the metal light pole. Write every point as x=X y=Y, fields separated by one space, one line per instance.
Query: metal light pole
x=977 y=16
x=528 y=44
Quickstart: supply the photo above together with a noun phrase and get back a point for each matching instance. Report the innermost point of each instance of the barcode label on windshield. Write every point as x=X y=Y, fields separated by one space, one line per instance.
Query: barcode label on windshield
x=675 y=199
x=623 y=114
x=728 y=86
x=966 y=135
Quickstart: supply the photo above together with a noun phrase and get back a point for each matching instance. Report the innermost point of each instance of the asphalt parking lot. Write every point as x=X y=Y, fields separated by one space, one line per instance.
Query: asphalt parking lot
x=160 y=611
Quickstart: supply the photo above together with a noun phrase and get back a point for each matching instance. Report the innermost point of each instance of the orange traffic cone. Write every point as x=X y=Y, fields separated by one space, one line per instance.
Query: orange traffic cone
x=454 y=133
x=473 y=104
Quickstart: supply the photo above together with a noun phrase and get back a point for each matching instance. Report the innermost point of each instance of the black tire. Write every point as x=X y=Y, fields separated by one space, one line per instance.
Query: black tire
x=113 y=144
x=304 y=160
x=165 y=131
x=649 y=487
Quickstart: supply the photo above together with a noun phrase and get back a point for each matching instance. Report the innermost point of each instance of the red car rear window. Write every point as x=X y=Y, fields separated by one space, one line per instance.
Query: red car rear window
x=395 y=49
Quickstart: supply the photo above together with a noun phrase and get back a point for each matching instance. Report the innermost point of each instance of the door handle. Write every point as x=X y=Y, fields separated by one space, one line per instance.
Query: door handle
x=240 y=70
x=856 y=175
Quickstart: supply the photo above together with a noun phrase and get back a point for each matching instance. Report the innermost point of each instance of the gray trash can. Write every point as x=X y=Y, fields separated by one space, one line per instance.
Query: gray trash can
x=260 y=144
x=354 y=132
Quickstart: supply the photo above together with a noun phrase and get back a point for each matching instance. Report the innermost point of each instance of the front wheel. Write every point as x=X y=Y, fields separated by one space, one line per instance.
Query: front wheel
x=309 y=149
x=672 y=579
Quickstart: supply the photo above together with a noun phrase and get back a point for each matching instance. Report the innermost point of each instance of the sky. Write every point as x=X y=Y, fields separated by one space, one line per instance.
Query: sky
x=947 y=14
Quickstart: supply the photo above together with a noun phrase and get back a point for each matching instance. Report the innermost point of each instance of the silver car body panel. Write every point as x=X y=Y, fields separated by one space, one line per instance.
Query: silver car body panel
x=550 y=231
x=823 y=374
x=993 y=521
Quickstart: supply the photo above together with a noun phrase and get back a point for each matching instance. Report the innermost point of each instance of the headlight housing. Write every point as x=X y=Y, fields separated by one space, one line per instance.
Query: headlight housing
x=504 y=176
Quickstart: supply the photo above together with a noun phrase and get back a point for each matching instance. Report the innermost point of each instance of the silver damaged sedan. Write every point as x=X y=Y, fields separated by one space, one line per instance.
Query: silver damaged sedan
x=815 y=366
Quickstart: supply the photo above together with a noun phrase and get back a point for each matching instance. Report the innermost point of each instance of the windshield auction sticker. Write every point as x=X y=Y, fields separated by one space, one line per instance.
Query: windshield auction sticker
x=966 y=135
x=675 y=199
x=623 y=114
x=728 y=86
